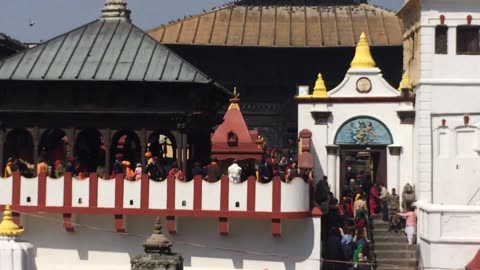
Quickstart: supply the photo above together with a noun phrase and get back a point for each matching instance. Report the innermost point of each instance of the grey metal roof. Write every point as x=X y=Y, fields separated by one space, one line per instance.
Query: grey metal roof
x=103 y=50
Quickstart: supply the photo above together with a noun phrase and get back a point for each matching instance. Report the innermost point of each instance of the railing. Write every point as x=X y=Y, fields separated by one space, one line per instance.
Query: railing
x=250 y=199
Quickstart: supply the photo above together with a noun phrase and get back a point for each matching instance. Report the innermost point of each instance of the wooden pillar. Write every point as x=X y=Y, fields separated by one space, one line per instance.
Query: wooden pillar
x=3 y=135
x=142 y=134
x=178 y=141
x=184 y=153
x=108 y=140
x=73 y=140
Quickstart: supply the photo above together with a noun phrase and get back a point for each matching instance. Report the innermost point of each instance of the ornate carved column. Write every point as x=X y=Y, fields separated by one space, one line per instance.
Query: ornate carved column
x=332 y=152
x=395 y=152
x=36 y=142
x=142 y=134
x=158 y=254
x=107 y=137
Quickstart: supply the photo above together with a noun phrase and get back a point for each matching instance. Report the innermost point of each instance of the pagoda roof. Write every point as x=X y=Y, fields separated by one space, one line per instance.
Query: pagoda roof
x=244 y=145
x=107 y=49
x=289 y=24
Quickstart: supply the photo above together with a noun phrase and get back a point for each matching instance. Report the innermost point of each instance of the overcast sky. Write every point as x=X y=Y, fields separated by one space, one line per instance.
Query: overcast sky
x=54 y=17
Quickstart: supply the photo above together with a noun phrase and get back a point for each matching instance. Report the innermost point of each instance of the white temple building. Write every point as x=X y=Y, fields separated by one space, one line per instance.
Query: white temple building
x=426 y=133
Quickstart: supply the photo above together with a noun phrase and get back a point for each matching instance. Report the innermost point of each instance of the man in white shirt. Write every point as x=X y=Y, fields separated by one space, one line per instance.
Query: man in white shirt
x=235 y=172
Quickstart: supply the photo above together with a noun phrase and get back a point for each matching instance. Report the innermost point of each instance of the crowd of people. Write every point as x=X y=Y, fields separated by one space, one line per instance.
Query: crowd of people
x=346 y=222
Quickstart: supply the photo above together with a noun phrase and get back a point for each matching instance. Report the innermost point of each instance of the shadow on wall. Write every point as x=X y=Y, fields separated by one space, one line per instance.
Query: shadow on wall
x=102 y=246
x=318 y=170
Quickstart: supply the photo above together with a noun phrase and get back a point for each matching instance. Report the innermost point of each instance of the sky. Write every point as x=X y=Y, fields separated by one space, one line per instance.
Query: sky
x=55 y=17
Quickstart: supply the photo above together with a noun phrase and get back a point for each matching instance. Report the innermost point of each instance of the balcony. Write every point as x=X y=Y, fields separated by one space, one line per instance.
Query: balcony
x=119 y=197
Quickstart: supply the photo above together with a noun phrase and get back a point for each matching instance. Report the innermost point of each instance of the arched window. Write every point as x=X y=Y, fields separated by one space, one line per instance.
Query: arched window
x=127 y=143
x=19 y=146
x=88 y=152
x=232 y=139
x=162 y=145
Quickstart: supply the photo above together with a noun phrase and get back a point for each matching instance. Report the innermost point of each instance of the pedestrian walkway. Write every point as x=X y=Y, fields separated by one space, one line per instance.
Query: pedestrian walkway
x=391 y=248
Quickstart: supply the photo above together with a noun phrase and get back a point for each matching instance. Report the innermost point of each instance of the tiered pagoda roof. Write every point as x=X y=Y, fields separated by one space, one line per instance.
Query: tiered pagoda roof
x=285 y=23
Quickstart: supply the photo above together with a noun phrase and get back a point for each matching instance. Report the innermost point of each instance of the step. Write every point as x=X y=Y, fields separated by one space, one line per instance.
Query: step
x=396 y=262
x=381 y=226
x=395 y=254
x=394 y=246
x=386 y=232
x=390 y=239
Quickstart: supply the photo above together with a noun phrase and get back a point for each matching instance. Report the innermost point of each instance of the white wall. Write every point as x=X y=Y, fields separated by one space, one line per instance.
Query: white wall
x=100 y=250
x=449 y=236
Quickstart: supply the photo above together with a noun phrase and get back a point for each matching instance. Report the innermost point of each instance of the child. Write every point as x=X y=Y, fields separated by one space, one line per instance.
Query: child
x=411 y=223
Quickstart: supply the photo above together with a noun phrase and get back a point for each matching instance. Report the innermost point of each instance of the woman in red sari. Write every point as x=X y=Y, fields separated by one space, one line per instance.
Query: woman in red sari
x=374 y=200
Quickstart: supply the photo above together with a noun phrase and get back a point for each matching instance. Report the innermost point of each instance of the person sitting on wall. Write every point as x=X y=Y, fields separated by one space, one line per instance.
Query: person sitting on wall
x=266 y=172
x=213 y=171
x=58 y=169
x=138 y=171
x=10 y=167
x=235 y=172
x=154 y=170
x=70 y=166
x=176 y=172
x=42 y=166
x=148 y=157
x=129 y=173
x=197 y=169
x=117 y=167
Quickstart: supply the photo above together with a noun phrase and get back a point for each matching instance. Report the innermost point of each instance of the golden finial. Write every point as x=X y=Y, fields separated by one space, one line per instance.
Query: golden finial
x=362 y=58
x=234 y=101
x=8 y=227
x=320 y=90
x=405 y=83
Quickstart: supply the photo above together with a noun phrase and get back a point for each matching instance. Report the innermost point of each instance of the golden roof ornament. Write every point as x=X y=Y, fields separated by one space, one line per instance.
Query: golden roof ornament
x=363 y=58
x=8 y=227
x=405 y=83
x=320 y=90
x=116 y=9
x=234 y=101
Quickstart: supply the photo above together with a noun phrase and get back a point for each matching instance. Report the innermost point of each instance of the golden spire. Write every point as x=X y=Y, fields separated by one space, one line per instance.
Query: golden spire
x=363 y=58
x=234 y=101
x=320 y=90
x=405 y=83
x=8 y=227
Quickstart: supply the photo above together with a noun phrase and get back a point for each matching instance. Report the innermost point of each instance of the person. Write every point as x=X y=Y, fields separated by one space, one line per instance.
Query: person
x=347 y=243
x=363 y=260
x=138 y=171
x=213 y=171
x=9 y=168
x=350 y=174
x=359 y=205
x=374 y=200
x=70 y=166
x=292 y=172
x=197 y=170
x=265 y=172
x=58 y=169
x=361 y=237
x=117 y=167
x=356 y=254
x=235 y=172
x=42 y=166
x=176 y=172
x=149 y=157
x=154 y=171
x=383 y=199
x=129 y=173
x=334 y=250
x=393 y=204
x=411 y=223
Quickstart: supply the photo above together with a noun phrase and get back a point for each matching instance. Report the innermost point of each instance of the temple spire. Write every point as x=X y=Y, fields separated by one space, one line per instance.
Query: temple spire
x=405 y=83
x=8 y=228
x=363 y=58
x=234 y=101
x=320 y=90
x=116 y=9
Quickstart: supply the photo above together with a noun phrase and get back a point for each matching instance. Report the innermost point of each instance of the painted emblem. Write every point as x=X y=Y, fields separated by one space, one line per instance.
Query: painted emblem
x=364 y=85
x=363 y=131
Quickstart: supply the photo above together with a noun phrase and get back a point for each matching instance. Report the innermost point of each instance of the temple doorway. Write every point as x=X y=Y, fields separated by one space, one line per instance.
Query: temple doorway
x=371 y=161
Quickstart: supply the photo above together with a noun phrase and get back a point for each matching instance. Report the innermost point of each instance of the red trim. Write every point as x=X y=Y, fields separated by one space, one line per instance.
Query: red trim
x=276 y=227
x=159 y=212
x=67 y=191
x=42 y=189
x=197 y=192
x=355 y=99
x=223 y=226
x=171 y=225
x=17 y=185
x=119 y=183
x=224 y=193
x=67 y=222
x=93 y=190
x=276 y=194
x=119 y=222
x=171 y=193
x=251 y=187
x=145 y=192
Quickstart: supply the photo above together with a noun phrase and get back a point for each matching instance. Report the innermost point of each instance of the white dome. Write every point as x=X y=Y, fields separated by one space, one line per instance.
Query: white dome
x=16 y=255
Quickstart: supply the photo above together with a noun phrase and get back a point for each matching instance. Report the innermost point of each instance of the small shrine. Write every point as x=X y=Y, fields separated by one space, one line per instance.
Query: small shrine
x=232 y=139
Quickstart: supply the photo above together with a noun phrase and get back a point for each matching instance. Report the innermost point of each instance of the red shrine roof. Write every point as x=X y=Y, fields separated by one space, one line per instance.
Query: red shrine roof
x=233 y=139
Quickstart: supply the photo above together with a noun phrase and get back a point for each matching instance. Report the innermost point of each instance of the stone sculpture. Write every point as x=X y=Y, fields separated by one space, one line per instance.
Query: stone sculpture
x=408 y=196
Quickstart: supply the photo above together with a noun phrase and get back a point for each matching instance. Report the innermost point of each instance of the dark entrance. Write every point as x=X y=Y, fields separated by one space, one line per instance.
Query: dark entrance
x=371 y=160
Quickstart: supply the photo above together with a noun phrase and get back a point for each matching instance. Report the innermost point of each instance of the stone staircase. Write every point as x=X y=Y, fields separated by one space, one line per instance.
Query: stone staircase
x=391 y=249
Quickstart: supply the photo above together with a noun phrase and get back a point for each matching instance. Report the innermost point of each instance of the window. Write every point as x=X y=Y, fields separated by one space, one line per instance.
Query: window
x=468 y=39
x=441 y=39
